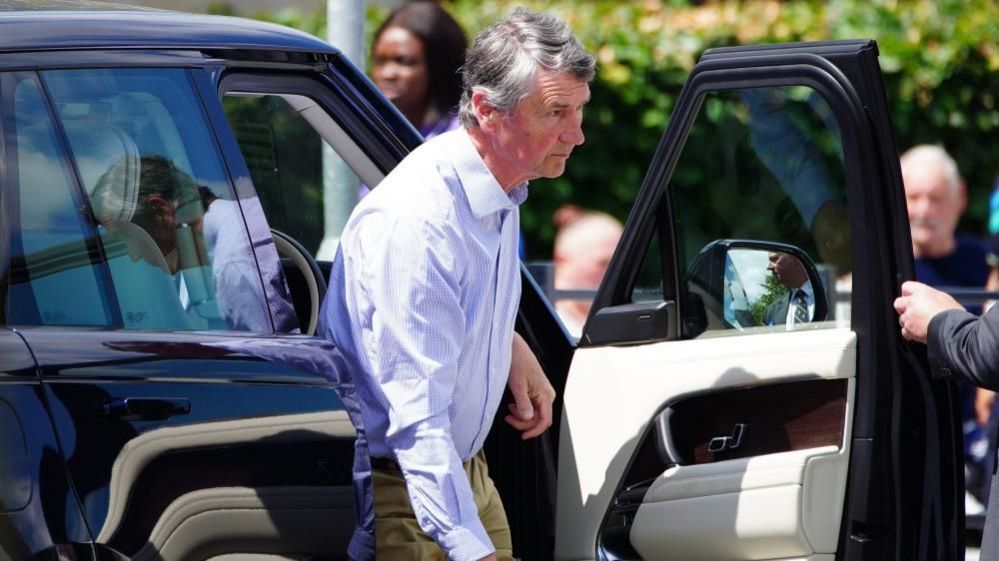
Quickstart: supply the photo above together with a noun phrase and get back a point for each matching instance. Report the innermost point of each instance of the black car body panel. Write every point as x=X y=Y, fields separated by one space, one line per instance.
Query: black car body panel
x=89 y=30
x=39 y=514
x=147 y=420
x=147 y=424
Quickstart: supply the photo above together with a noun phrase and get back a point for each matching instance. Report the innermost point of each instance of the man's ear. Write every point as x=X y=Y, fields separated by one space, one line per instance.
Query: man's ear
x=485 y=113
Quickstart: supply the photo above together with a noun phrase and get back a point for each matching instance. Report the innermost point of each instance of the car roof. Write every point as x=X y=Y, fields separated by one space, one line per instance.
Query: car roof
x=53 y=25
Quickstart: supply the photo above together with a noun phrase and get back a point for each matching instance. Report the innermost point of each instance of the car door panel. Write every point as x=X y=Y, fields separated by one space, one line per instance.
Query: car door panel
x=786 y=505
x=740 y=423
x=149 y=465
x=667 y=373
x=258 y=463
x=241 y=513
x=787 y=145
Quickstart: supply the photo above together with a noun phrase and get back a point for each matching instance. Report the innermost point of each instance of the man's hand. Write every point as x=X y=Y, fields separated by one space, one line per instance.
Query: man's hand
x=916 y=307
x=531 y=412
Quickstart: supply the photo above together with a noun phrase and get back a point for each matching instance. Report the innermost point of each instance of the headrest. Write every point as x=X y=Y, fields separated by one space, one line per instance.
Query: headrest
x=108 y=160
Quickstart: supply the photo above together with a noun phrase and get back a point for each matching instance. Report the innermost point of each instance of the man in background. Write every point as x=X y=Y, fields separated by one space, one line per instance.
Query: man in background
x=584 y=245
x=936 y=196
x=797 y=305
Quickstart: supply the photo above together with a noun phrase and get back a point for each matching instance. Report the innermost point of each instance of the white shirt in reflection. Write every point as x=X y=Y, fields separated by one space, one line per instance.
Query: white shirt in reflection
x=792 y=305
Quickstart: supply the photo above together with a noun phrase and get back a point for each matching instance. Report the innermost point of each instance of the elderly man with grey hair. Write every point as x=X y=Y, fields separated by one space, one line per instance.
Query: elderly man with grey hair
x=936 y=197
x=425 y=287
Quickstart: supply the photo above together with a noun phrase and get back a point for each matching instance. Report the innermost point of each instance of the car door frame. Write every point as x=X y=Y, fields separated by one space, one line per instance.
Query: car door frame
x=903 y=497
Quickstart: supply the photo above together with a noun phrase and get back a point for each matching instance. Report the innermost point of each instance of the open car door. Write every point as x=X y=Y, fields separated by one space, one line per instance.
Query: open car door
x=722 y=405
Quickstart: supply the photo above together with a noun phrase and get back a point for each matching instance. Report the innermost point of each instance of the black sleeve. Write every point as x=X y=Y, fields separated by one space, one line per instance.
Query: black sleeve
x=964 y=345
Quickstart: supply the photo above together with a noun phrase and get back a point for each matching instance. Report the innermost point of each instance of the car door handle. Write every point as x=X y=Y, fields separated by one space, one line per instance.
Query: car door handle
x=145 y=408
x=722 y=443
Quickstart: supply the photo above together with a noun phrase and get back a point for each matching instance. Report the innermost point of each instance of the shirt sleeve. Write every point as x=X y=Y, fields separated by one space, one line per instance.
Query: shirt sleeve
x=239 y=298
x=405 y=295
x=962 y=344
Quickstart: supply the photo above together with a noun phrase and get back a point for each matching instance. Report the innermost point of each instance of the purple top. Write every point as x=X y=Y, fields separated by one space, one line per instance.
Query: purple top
x=448 y=123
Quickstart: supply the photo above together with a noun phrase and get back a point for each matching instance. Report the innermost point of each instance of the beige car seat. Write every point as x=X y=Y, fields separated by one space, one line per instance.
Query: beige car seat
x=142 y=275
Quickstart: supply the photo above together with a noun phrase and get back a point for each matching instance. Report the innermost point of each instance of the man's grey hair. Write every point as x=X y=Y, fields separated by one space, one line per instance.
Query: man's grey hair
x=505 y=57
x=932 y=154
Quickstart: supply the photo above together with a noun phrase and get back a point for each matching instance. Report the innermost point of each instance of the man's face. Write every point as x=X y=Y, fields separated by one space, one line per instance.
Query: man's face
x=934 y=206
x=536 y=137
x=786 y=269
x=582 y=260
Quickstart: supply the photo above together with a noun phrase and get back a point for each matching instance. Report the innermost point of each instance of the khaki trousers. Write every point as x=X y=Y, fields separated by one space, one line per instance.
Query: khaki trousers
x=397 y=534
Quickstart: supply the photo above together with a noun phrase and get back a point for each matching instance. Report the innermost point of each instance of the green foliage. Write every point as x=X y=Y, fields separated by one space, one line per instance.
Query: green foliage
x=772 y=290
x=314 y=22
x=939 y=59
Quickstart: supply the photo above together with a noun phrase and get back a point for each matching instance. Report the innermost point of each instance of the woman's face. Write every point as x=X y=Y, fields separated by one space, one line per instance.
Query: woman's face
x=401 y=72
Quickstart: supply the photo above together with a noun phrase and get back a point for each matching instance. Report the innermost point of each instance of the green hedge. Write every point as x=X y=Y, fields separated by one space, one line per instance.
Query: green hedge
x=939 y=58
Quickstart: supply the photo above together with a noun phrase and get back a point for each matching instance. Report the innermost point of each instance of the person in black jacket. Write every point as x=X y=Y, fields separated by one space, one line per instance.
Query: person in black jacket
x=959 y=344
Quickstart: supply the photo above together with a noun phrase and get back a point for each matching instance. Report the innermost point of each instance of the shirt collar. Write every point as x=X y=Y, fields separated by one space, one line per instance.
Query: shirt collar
x=809 y=293
x=484 y=193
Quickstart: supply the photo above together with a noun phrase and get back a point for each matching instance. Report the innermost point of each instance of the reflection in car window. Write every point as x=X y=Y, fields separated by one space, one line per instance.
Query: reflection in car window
x=166 y=220
x=776 y=175
x=55 y=277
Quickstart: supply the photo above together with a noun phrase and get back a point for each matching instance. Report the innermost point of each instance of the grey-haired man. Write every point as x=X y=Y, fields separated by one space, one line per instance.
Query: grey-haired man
x=426 y=284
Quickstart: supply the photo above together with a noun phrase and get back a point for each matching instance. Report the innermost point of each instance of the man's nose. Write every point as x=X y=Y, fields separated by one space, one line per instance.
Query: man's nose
x=574 y=136
x=919 y=207
x=574 y=133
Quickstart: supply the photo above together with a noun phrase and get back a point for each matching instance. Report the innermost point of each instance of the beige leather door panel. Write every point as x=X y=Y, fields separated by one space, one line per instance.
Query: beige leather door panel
x=778 y=503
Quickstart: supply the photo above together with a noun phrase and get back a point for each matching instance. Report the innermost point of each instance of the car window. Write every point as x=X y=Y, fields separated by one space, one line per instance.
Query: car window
x=164 y=227
x=56 y=276
x=760 y=177
x=285 y=158
x=307 y=170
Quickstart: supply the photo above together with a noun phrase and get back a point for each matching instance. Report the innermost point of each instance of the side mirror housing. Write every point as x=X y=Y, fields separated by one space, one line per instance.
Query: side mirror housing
x=749 y=283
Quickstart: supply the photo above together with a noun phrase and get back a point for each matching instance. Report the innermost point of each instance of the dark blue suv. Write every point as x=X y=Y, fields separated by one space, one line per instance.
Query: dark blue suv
x=169 y=188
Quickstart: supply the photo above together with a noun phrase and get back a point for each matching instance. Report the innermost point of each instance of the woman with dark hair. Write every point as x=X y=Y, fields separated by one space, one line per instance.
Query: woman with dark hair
x=417 y=53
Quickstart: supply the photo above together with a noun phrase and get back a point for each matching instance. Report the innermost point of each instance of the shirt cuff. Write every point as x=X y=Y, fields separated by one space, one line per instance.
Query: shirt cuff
x=466 y=544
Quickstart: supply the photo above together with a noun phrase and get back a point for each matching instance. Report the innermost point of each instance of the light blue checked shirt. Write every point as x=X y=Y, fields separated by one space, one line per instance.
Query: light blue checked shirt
x=422 y=301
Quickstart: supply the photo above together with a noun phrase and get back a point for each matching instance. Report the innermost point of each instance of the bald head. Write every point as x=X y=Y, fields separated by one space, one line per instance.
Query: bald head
x=583 y=249
x=935 y=198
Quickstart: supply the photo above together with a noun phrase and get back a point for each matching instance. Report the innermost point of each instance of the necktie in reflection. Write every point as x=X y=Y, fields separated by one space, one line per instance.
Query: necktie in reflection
x=800 y=307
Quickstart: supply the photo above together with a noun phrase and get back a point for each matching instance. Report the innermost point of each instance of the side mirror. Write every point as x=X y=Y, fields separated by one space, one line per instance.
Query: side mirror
x=749 y=283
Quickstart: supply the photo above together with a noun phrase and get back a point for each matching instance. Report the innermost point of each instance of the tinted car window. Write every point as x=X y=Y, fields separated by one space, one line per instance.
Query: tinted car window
x=56 y=275
x=302 y=154
x=165 y=221
x=777 y=177
x=285 y=157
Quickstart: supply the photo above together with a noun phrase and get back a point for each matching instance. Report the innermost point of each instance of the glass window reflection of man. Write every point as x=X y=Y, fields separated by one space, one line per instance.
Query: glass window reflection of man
x=797 y=305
